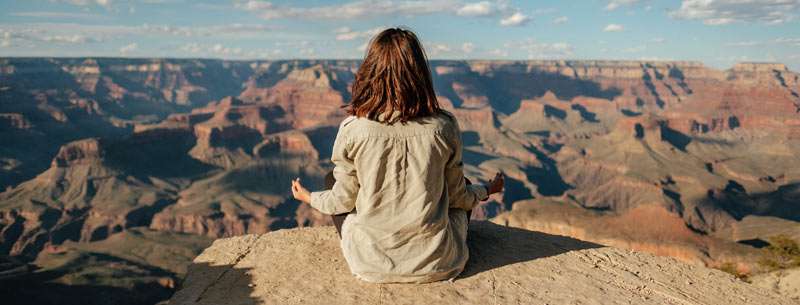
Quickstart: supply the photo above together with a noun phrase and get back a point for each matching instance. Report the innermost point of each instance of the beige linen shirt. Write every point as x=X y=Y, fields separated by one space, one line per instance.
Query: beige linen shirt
x=406 y=183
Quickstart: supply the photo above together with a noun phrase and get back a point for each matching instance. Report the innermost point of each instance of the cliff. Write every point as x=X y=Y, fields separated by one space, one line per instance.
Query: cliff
x=507 y=266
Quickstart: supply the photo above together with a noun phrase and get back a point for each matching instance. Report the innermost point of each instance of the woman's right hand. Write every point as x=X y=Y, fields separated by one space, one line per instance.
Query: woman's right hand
x=496 y=185
x=299 y=192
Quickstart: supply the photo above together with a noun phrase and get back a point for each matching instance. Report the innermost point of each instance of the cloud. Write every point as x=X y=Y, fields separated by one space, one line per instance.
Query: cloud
x=222 y=51
x=348 y=10
x=743 y=44
x=539 y=50
x=483 y=8
x=615 y=4
x=128 y=48
x=308 y=52
x=361 y=9
x=5 y=41
x=786 y=40
x=193 y=48
x=499 y=52
x=560 y=20
x=58 y=15
x=467 y=47
x=438 y=48
x=636 y=49
x=613 y=28
x=516 y=19
x=345 y=33
x=658 y=40
x=234 y=29
x=71 y=39
x=544 y=11
x=722 y=12
x=753 y=43
x=104 y=3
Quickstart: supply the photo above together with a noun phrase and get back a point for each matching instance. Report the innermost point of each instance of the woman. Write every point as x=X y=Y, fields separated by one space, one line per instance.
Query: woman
x=398 y=172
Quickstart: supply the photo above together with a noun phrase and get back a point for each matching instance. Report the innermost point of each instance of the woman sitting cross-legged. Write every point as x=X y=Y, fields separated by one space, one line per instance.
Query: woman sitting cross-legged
x=398 y=172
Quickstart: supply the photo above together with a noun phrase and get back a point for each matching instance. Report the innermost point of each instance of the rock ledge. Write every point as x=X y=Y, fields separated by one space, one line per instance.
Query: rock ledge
x=507 y=266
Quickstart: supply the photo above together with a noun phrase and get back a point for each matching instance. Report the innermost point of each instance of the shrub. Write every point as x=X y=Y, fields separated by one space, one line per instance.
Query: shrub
x=783 y=252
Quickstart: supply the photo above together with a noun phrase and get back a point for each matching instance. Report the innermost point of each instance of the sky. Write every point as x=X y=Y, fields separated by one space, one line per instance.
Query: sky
x=718 y=33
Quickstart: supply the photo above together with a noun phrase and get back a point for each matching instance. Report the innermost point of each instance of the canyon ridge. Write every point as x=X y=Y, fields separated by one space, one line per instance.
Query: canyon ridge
x=116 y=173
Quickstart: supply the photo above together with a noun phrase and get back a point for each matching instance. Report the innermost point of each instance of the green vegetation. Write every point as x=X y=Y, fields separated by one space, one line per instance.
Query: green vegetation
x=783 y=252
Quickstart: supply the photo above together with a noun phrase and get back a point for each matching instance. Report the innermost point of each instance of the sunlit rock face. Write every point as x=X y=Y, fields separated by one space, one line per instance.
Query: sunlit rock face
x=672 y=158
x=509 y=264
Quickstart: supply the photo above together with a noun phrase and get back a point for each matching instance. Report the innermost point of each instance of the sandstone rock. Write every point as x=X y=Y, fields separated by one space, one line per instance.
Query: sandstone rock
x=783 y=282
x=506 y=266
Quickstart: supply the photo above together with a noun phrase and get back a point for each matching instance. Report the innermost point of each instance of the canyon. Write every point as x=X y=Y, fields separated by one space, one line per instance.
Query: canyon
x=128 y=168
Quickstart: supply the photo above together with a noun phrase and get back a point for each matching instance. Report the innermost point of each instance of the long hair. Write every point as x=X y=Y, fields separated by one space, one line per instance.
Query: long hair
x=394 y=77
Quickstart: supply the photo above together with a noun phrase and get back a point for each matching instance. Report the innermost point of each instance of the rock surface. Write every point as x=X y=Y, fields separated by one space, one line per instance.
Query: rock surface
x=507 y=266
x=784 y=282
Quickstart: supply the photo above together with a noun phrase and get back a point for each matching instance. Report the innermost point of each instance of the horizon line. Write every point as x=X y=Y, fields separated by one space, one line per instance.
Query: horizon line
x=703 y=64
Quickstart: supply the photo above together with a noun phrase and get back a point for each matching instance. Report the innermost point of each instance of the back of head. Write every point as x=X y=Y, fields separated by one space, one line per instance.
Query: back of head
x=394 y=77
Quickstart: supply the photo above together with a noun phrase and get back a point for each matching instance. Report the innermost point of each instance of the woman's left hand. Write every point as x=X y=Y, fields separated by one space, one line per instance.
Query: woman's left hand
x=299 y=192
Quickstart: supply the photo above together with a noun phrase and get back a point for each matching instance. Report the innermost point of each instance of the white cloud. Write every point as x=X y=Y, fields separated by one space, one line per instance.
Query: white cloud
x=222 y=51
x=5 y=41
x=499 y=52
x=128 y=48
x=438 y=48
x=544 y=11
x=515 y=19
x=540 y=50
x=786 y=40
x=743 y=44
x=345 y=33
x=348 y=10
x=73 y=39
x=722 y=12
x=613 y=28
x=308 y=52
x=560 y=20
x=254 y=5
x=636 y=49
x=483 y=8
x=658 y=40
x=467 y=47
x=104 y=3
x=58 y=15
x=355 y=9
x=234 y=29
x=614 y=4
x=193 y=48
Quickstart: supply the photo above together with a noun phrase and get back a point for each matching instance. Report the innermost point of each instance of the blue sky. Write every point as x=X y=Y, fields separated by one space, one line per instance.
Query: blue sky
x=716 y=32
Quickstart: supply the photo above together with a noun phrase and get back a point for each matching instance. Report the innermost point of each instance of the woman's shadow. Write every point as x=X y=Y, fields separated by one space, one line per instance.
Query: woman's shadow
x=493 y=246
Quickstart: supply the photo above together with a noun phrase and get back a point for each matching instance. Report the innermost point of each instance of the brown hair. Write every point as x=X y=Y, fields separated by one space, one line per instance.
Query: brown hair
x=394 y=77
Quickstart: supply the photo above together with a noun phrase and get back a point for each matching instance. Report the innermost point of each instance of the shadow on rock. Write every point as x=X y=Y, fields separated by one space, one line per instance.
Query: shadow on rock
x=207 y=283
x=493 y=246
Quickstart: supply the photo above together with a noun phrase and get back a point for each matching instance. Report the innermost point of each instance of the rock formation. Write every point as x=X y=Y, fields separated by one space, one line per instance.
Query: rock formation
x=672 y=158
x=506 y=266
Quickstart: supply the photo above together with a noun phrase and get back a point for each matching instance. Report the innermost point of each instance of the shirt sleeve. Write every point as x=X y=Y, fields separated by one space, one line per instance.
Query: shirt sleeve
x=341 y=198
x=460 y=194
